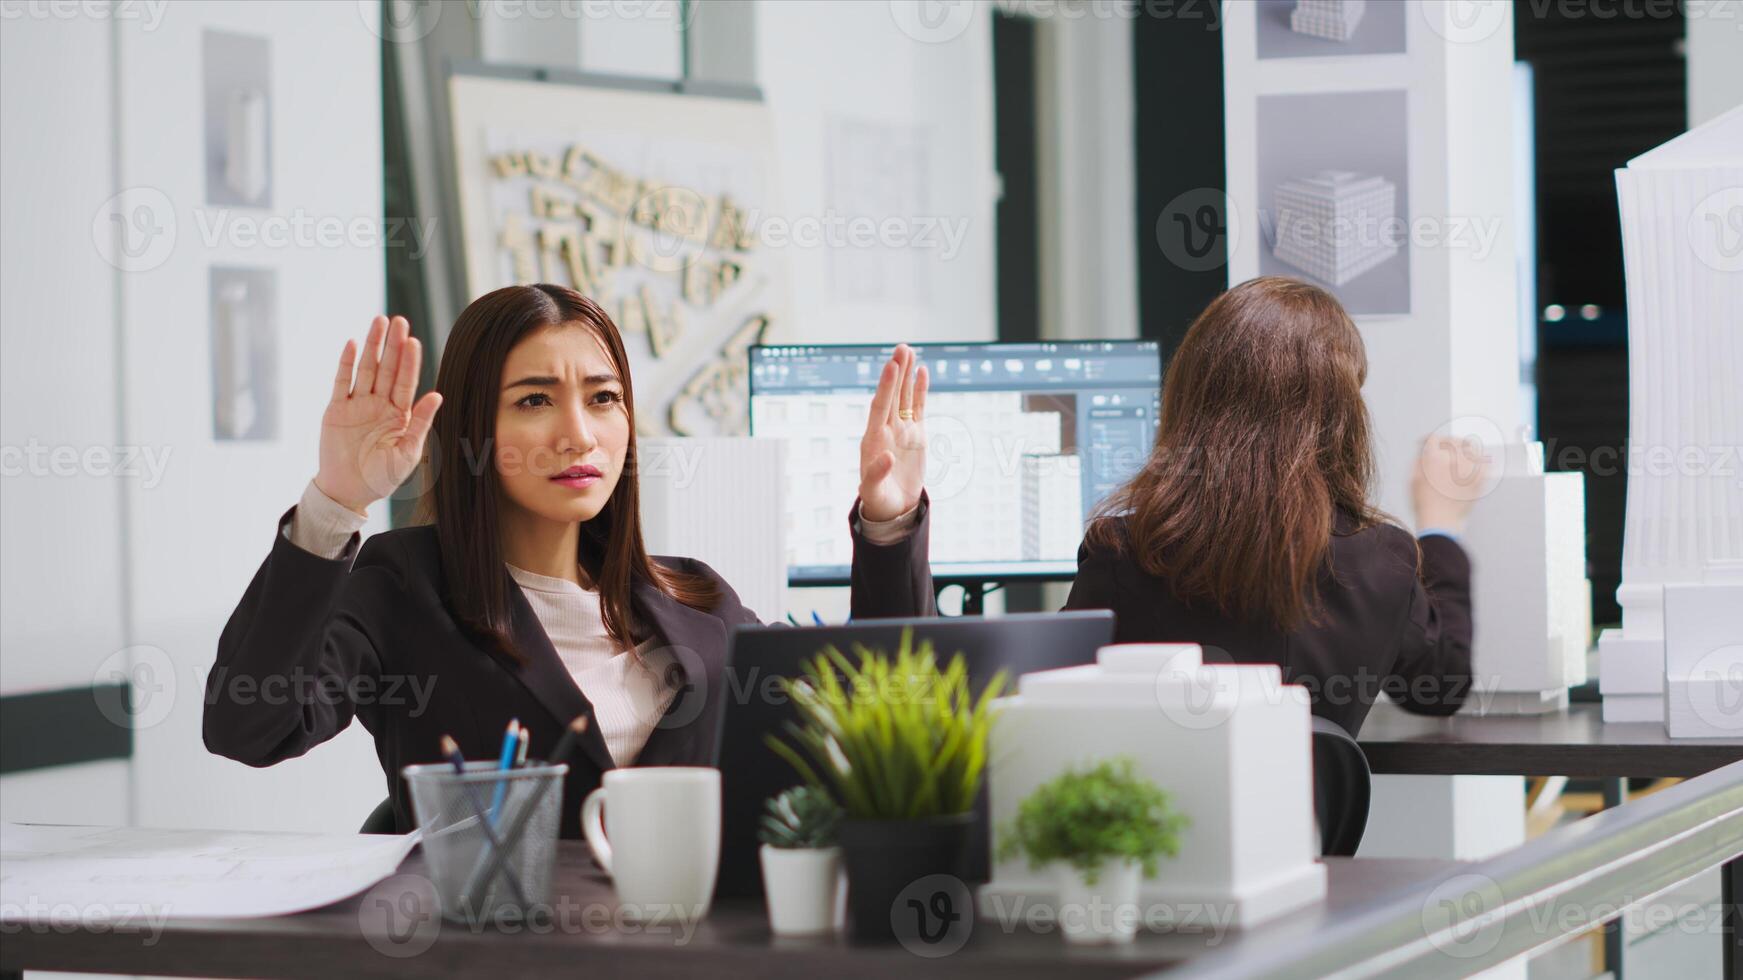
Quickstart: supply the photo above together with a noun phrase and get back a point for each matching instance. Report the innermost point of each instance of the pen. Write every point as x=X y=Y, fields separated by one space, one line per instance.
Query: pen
x=790 y=619
x=816 y=618
x=451 y=750
x=510 y=740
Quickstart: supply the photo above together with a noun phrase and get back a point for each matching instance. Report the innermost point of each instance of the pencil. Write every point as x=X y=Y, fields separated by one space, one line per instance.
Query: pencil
x=566 y=745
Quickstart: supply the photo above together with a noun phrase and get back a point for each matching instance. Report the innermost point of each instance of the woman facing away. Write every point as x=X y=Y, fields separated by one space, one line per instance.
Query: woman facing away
x=527 y=594
x=1249 y=529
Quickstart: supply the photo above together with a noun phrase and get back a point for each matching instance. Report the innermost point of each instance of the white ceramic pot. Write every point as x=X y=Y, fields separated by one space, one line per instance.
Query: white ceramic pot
x=805 y=889
x=1105 y=912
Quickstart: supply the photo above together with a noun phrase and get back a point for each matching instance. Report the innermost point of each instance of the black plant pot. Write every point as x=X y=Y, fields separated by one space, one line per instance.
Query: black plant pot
x=883 y=857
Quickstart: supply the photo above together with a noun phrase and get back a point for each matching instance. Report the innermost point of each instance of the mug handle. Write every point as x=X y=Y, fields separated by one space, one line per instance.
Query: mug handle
x=593 y=828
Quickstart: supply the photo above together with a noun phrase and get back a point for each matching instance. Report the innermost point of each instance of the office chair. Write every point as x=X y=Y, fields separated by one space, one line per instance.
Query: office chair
x=380 y=819
x=1342 y=789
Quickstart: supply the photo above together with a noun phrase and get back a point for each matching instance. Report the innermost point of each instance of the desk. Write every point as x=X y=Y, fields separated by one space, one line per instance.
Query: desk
x=1576 y=742
x=348 y=940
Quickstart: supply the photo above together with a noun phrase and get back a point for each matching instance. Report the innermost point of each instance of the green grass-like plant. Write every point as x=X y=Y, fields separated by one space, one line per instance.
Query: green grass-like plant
x=1106 y=812
x=889 y=738
x=801 y=817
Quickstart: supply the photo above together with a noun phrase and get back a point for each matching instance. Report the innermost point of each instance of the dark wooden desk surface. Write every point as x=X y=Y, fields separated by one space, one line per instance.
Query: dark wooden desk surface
x=391 y=932
x=1576 y=742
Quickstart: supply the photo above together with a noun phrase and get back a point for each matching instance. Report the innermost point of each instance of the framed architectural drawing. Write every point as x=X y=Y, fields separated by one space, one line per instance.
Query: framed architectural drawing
x=1334 y=181
x=647 y=202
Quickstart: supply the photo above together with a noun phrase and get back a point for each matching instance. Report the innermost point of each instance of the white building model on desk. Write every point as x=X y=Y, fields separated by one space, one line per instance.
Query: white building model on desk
x=1679 y=654
x=1530 y=597
x=1333 y=20
x=1330 y=225
x=1230 y=744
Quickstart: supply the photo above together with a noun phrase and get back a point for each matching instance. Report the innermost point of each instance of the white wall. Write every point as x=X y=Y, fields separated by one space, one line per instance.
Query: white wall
x=824 y=62
x=196 y=539
x=1086 y=163
x=60 y=569
x=1715 y=59
x=105 y=570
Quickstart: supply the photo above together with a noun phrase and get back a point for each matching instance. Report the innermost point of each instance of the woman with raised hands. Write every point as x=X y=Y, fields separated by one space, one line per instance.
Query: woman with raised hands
x=525 y=592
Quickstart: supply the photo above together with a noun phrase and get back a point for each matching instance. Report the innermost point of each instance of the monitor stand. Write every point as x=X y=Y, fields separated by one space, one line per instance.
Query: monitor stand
x=974 y=594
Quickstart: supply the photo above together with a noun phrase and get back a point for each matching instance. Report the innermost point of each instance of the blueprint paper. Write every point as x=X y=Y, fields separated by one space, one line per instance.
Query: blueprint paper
x=88 y=873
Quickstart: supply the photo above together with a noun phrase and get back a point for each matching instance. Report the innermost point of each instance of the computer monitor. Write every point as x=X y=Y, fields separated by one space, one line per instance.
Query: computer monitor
x=1023 y=439
x=751 y=773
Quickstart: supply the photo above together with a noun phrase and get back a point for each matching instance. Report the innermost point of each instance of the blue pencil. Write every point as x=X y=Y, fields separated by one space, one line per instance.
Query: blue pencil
x=510 y=744
x=816 y=618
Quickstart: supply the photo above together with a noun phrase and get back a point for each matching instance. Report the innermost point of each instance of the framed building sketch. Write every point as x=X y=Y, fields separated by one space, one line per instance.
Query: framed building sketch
x=1334 y=193
x=645 y=201
x=1329 y=28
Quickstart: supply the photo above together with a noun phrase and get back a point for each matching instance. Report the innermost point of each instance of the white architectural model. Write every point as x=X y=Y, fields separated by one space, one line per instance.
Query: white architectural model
x=1230 y=744
x=1529 y=590
x=1333 y=225
x=1682 y=242
x=1334 y=20
x=1703 y=646
x=722 y=499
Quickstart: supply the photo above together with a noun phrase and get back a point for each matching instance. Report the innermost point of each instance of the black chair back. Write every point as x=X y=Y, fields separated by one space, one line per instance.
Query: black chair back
x=380 y=819
x=1342 y=789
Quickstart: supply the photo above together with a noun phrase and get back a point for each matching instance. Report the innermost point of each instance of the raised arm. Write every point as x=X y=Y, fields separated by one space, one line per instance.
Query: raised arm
x=891 y=575
x=289 y=654
x=1433 y=671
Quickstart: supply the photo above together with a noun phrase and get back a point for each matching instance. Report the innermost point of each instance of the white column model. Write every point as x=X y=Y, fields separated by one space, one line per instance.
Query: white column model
x=1682 y=244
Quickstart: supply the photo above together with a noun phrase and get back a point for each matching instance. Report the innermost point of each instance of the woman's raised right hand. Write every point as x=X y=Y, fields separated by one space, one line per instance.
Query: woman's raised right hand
x=372 y=434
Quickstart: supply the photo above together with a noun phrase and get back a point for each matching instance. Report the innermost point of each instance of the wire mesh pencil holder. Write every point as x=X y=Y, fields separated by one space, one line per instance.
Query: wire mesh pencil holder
x=489 y=836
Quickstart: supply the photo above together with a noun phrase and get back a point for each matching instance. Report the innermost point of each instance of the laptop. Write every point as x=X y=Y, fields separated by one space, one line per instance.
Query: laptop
x=750 y=772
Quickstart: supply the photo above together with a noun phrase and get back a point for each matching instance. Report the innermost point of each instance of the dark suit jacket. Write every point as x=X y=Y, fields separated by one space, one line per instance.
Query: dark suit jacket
x=1384 y=626
x=316 y=642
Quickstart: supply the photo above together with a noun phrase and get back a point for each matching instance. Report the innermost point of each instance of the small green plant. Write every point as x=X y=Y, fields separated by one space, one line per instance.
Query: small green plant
x=803 y=816
x=889 y=738
x=1087 y=817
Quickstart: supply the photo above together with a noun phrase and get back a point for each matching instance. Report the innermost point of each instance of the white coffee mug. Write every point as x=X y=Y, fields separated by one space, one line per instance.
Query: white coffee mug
x=659 y=839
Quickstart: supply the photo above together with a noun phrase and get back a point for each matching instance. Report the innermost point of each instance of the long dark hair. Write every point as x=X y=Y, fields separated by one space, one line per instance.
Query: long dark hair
x=1264 y=438
x=465 y=493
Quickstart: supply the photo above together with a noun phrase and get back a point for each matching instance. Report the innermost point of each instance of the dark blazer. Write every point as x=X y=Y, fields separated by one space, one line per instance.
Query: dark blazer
x=316 y=642
x=1385 y=625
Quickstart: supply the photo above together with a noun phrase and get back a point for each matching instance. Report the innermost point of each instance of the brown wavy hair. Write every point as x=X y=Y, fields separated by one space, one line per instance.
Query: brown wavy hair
x=465 y=493
x=1264 y=439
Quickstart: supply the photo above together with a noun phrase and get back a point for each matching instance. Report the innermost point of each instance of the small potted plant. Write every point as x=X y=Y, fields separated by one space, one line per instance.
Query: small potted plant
x=801 y=862
x=1097 y=829
x=902 y=746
